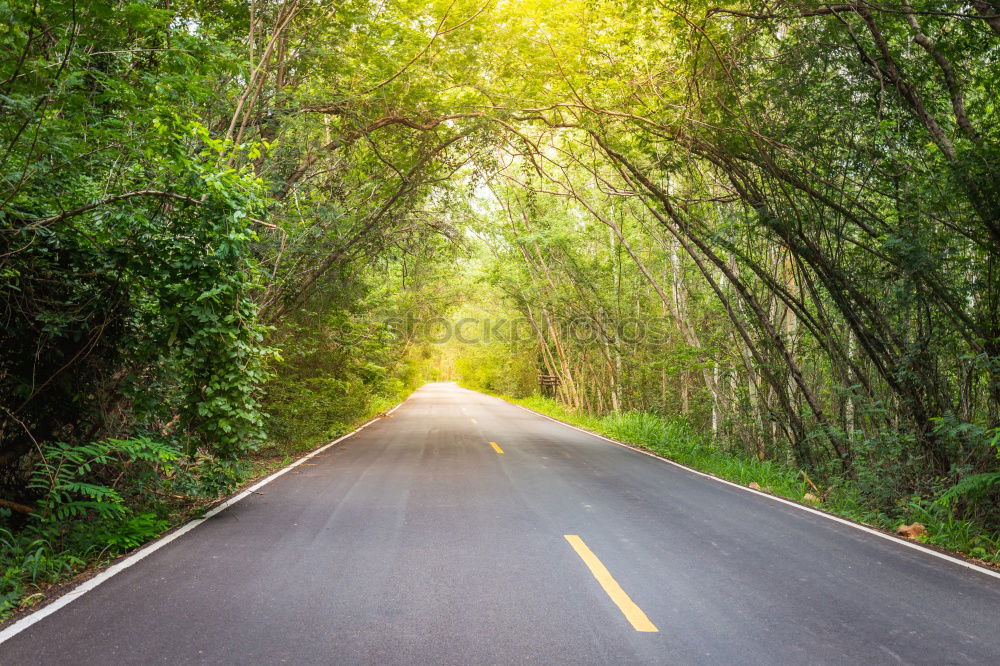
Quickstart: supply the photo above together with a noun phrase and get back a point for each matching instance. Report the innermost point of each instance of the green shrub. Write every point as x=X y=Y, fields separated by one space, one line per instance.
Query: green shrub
x=81 y=514
x=63 y=477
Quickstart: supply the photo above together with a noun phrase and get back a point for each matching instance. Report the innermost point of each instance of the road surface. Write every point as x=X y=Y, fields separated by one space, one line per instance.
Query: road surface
x=417 y=541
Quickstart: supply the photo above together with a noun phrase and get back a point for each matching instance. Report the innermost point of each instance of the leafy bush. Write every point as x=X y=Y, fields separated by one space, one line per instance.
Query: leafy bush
x=976 y=488
x=886 y=467
x=342 y=368
x=62 y=477
x=81 y=514
x=128 y=533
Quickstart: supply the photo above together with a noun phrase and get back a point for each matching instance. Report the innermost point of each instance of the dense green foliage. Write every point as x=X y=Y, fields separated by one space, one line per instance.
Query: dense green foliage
x=777 y=221
x=225 y=228
x=166 y=228
x=127 y=267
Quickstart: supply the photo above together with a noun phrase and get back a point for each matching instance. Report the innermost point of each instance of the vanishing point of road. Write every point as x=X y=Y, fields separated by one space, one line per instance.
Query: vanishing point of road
x=464 y=530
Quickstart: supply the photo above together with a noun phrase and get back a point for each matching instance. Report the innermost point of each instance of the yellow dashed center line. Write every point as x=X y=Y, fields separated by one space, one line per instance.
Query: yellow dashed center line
x=628 y=608
x=496 y=447
x=474 y=420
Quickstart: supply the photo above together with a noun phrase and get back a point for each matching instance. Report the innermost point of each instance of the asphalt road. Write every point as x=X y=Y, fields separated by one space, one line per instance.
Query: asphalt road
x=417 y=542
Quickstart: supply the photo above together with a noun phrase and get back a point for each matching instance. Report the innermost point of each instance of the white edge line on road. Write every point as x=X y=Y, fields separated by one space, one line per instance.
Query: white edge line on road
x=377 y=417
x=838 y=519
x=154 y=546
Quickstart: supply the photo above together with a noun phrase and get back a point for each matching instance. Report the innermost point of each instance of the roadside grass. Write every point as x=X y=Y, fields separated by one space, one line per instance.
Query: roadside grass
x=679 y=441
